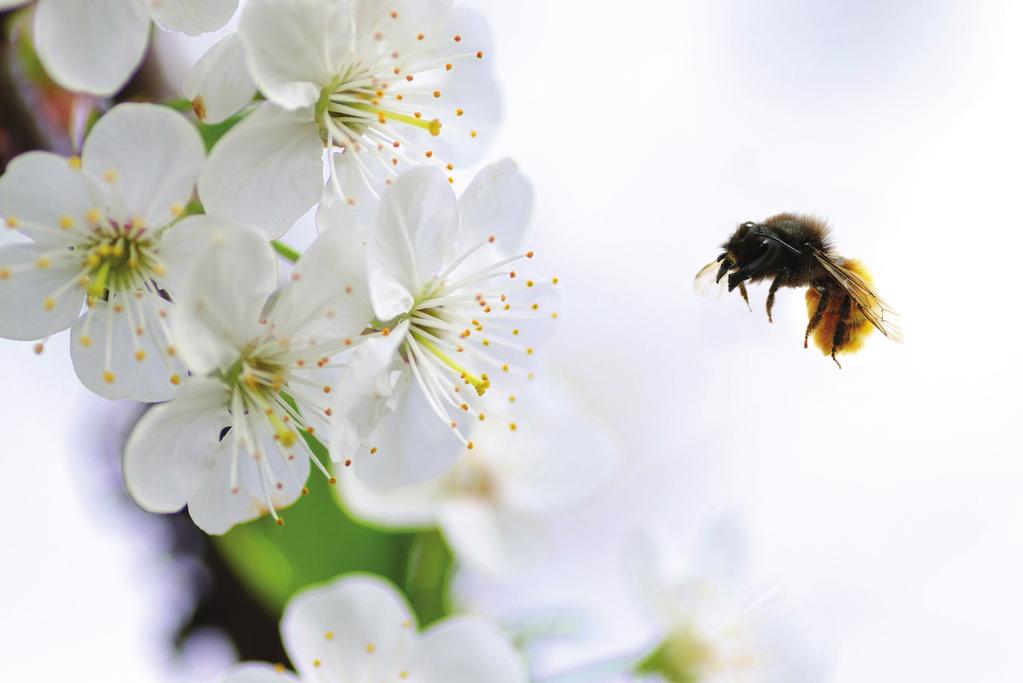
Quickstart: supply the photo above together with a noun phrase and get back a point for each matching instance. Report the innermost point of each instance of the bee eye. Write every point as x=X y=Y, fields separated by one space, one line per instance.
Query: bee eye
x=749 y=225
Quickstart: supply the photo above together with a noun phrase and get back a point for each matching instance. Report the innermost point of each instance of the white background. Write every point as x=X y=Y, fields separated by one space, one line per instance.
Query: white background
x=883 y=498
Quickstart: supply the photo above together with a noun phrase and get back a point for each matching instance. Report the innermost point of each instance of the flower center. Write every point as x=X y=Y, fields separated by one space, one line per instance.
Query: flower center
x=118 y=258
x=258 y=384
x=353 y=104
x=432 y=316
x=471 y=478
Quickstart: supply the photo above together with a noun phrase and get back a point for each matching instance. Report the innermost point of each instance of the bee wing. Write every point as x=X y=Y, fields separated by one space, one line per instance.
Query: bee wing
x=704 y=283
x=874 y=308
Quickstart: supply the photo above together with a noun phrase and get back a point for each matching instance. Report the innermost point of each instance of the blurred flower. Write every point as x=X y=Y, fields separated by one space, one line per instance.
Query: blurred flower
x=359 y=629
x=385 y=84
x=95 y=46
x=230 y=444
x=442 y=322
x=714 y=626
x=103 y=231
x=494 y=505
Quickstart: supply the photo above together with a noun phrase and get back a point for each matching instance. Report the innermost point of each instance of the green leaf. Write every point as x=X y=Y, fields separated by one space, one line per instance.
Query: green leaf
x=212 y=132
x=319 y=541
x=430 y=565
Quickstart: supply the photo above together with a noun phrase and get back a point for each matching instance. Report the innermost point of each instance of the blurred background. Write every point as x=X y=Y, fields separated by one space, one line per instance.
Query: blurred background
x=881 y=499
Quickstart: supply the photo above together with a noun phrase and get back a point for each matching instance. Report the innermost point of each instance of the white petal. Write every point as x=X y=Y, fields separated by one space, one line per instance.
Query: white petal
x=383 y=28
x=498 y=202
x=328 y=297
x=362 y=182
x=413 y=444
x=93 y=46
x=295 y=47
x=359 y=628
x=39 y=192
x=220 y=304
x=557 y=456
x=491 y=540
x=469 y=86
x=535 y=312
x=364 y=392
x=182 y=245
x=409 y=507
x=25 y=312
x=228 y=498
x=219 y=84
x=140 y=366
x=722 y=549
x=267 y=171
x=415 y=235
x=467 y=650
x=8 y=4
x=192 y=16
x=152 y=154
x=172 y=448
x=256 y=672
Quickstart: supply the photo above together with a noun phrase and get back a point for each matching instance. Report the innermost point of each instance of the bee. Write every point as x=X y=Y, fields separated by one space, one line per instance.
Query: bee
x=796 y=251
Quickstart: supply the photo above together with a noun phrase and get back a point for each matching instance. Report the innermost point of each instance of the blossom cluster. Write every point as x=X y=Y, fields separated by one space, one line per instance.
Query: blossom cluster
x=396 y=356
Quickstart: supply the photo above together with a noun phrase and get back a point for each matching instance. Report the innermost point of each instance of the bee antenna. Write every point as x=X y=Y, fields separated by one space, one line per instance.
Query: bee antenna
x=761 y=233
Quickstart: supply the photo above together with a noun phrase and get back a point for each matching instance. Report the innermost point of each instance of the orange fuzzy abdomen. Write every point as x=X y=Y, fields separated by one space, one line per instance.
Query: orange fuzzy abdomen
x=857 y=327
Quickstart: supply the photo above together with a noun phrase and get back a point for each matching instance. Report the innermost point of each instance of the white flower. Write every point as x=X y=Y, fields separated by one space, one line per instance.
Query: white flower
x=453 y=318
x=103 y=232
x=494 y=505
x=94 y=46
x=714 y=626
x=385 y=85
x=230 y=445
x=359 y=629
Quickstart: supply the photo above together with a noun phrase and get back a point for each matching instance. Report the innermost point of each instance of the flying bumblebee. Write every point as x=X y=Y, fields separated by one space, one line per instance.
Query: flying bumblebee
x=796 y=251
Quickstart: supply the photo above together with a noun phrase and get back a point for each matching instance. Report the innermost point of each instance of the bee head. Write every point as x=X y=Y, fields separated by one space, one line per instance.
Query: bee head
x=748 y=239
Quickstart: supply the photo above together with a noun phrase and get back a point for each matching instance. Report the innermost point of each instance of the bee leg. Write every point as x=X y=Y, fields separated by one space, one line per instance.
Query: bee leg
x=726 y=265
x=818 y=315
x=745 y=296
x=839 y=339
x=770 y=296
